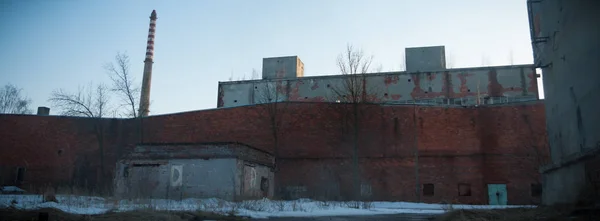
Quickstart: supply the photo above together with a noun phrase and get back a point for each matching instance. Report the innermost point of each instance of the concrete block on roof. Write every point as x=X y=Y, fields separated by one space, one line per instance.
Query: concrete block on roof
x=282 y=67
x=422 y=59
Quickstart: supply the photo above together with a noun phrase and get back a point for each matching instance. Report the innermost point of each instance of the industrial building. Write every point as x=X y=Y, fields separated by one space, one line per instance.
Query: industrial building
x=426 y=81
x=564 y=36
x=428 y=134
x=229 y=171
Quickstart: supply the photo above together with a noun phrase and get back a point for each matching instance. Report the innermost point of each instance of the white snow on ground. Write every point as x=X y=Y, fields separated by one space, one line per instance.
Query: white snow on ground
x=254 y=208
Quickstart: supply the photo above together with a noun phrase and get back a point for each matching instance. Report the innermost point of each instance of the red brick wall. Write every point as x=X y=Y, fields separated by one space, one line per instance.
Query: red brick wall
x=59 y=151
x=456 y=145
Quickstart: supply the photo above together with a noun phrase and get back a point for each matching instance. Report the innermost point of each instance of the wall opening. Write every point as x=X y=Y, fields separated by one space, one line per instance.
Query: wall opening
x=536 y=190
x=464 y=189
x=428 y=189
x=146 y=165
x=20 y=175
x=264 y=184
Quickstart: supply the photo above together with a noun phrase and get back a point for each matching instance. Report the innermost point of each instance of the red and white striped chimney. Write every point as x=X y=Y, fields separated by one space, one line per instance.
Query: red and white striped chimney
x=145 y=95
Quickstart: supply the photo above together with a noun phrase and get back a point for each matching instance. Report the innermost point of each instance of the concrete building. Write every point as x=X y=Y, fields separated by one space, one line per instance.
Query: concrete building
x=565 y=46
x=229 y=171
x=427 y=81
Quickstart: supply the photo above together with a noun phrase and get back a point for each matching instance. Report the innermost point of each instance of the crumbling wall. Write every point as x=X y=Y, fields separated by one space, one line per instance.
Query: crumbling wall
x=490 y=144
x=565 y=43
x=177 y=178
x=511 y=82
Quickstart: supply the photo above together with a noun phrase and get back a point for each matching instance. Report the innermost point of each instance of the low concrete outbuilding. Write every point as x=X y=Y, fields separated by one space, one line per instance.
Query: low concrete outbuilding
x=230 y=171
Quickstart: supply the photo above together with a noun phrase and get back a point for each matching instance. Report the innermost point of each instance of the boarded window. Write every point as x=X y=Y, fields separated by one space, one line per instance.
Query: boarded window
x=428 y=189
x=464 y=189
x=536 y=189
x=20 y=175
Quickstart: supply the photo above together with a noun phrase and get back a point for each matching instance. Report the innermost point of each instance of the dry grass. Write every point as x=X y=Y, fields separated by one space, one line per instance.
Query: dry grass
x=143 y=215
x=513 y=214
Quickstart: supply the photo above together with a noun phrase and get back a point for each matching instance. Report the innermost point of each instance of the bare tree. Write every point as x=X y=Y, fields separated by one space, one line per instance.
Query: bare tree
x=254 y=74
x=91 y=101
x=450 y=60
x=353 y=64
x=273 y=106
x=86 y=102
x=403 y=62
x=13 y=102
x=124 y=84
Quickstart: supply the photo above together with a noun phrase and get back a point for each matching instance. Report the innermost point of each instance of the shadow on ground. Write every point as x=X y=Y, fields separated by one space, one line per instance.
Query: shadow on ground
x=56 y=215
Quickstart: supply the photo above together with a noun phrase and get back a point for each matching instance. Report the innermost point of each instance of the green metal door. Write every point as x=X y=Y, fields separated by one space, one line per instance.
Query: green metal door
x=497 y=194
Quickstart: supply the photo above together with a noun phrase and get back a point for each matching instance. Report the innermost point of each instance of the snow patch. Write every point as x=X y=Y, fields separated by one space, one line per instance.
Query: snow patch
x=253 y=208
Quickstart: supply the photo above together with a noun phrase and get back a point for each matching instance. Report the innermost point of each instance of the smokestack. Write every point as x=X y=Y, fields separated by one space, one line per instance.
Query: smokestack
x=145 y=95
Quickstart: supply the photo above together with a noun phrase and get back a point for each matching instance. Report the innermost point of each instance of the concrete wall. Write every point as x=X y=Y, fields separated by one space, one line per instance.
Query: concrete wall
x=228 y=179
x=510 y=81
x=565 y=40
x=423 y=59
x=282 y=67
x=257 y=181
x=161 y=179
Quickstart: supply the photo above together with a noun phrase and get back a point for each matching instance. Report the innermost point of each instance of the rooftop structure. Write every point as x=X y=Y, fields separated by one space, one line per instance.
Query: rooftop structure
x=426 y=81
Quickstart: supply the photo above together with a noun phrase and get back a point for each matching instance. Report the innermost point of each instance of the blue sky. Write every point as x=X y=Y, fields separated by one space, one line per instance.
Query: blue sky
x=45 y=45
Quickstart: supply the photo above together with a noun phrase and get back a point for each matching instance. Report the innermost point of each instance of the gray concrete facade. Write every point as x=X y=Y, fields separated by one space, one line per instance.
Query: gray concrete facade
x=282 y=67
x=566 y=47
x=176 y=171
x=422 y=59
x=463 y=86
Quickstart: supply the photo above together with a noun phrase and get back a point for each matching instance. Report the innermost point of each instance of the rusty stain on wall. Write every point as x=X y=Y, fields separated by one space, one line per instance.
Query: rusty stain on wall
x=475 y=83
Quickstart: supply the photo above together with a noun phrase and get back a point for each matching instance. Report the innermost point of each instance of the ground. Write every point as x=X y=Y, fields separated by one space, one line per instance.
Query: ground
x=73 y=207
x=390 y=217
x=54 y=214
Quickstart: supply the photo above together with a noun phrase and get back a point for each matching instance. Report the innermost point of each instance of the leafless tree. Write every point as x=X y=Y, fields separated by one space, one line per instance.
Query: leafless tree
x=353 y=91
x=353 y=65
x=254 y=75
x=124 y=84
x=12 y=101
x=402 y=62
x=274 y=108
x=450 y=60
x=91 y=101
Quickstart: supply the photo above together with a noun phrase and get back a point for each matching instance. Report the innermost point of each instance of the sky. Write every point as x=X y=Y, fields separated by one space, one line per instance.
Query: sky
x=63 y=44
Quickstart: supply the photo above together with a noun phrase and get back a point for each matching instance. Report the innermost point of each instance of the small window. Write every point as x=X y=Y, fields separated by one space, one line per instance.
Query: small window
x=536 y=189
x=428 y=189
x=464 y=189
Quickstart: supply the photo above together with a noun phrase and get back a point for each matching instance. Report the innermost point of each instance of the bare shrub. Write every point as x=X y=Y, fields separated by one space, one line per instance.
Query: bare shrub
x=50 y=195
x=280 y=204
x=367 y=205
x=323 y=204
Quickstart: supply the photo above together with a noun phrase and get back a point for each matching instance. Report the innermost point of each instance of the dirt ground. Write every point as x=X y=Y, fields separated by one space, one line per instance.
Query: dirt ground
x=56 y=215
x=522 y=214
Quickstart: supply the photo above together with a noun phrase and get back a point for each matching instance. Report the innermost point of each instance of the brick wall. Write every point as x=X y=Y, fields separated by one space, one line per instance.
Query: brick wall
x=474 y=146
